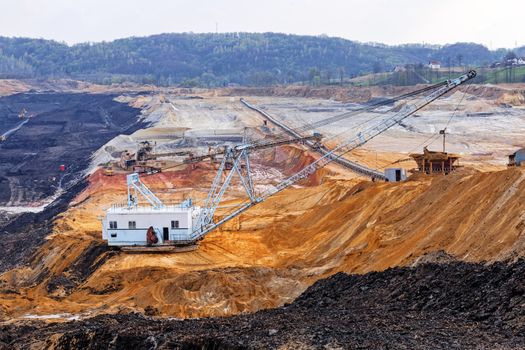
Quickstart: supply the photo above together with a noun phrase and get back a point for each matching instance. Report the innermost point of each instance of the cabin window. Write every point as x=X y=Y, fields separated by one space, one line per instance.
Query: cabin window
x=175 y=224
x=113 y=225
x=113 y=235
x=132 y=225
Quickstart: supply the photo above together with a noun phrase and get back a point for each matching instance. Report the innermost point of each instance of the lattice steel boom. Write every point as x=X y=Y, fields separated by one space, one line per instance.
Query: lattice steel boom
x=238 y=156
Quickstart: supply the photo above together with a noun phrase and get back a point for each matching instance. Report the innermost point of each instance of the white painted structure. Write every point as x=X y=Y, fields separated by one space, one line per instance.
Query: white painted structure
x=434 y=65
x=395 y=174
x=127 y=226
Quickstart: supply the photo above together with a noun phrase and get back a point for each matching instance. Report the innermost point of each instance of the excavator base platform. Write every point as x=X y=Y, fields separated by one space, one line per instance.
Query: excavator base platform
x=159 y=249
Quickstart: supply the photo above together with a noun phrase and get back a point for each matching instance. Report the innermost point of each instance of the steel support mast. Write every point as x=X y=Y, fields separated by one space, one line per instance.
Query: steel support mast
x=135 y=187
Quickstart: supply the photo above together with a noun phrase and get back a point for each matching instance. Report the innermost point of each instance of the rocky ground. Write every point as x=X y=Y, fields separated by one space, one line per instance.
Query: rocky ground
x=431 y=306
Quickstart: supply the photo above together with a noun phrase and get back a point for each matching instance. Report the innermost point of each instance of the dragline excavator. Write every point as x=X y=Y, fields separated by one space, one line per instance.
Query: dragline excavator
x=186 y=224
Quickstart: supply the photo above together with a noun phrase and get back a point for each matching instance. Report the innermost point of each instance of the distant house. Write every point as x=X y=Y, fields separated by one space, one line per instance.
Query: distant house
x=518 y=61
x=434 y=65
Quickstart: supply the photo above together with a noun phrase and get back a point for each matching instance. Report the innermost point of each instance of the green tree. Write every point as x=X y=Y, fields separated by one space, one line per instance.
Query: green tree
x=459 y=58
x=341 y=71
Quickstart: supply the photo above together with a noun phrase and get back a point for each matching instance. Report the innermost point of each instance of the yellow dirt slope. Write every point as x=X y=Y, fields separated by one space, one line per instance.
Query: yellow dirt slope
x=275 y=250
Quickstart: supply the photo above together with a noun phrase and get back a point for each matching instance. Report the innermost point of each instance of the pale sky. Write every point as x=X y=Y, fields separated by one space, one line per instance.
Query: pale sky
x=492 y=23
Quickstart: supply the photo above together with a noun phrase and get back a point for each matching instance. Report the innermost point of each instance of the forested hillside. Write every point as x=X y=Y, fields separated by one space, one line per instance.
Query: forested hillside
x=220 y=59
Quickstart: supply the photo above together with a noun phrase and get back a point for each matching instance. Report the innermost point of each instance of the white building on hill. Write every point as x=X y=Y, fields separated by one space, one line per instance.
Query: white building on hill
x=434 y=65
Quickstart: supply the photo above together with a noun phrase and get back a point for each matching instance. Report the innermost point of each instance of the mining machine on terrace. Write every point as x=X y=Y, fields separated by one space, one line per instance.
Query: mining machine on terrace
x=160 y=225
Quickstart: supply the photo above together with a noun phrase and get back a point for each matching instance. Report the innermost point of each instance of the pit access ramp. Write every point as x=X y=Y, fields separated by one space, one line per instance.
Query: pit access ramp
x=320 y=149
x=8 y=133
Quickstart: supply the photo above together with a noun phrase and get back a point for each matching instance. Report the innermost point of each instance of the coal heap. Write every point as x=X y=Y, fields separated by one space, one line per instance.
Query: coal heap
x=431 y=306
x=59 y=129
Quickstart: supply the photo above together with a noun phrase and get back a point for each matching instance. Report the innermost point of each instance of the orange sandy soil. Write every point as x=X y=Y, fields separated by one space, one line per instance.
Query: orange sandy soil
x=272 y=252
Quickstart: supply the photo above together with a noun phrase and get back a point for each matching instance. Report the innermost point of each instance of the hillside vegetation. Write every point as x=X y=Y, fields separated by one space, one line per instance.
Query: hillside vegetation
x=210 y=60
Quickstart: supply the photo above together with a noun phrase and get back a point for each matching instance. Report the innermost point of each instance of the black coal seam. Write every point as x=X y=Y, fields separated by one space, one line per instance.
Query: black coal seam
x=34 y=227
x=430 y=306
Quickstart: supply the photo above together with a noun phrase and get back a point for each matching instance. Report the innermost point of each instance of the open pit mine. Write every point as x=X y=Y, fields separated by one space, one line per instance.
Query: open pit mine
x=287 y=217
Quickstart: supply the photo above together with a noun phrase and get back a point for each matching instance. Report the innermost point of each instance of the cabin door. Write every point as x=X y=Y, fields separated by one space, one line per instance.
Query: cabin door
x=398 y=175
x=165 y=234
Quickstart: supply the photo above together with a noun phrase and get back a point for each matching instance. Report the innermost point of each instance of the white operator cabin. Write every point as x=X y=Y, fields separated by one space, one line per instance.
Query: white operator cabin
x=395 y=174
x=127 y=225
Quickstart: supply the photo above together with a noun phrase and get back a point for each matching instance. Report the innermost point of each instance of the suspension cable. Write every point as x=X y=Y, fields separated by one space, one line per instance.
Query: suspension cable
x=432 y=138
x=368 y=108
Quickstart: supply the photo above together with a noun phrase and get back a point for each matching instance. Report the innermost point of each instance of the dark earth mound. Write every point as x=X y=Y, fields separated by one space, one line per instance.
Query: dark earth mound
x=63 y=129
x=23 y=233
x=430 y=306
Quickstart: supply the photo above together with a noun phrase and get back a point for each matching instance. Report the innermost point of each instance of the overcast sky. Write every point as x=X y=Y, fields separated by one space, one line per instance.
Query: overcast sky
x=489 y=22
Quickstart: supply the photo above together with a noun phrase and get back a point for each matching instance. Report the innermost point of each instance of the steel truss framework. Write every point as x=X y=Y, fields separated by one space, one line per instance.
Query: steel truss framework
x=238 y=157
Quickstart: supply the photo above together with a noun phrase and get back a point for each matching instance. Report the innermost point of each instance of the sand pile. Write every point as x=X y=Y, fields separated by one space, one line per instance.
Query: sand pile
x=512 y=99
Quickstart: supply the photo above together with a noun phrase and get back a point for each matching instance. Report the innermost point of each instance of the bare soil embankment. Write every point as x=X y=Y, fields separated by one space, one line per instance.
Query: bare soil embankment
x=510 y=94
x=23 y=233
x=274 y=251
x=431 y=306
